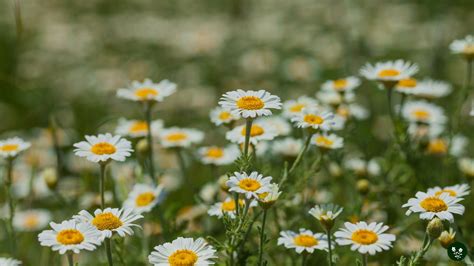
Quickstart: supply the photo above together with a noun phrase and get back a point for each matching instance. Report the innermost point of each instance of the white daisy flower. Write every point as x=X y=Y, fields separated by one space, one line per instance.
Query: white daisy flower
x=304 y=240
x=183 y=251
x=143 y=197
x=217 y=155
x=180 y=137
x=431 y=89
x=429 y=205
x=440 y=146
x=391 y=71
x=11 y=147
x=464 y=47
x=327 y=141
x=315 y=119
x=326 y=212
x=228 y=207
x=423 y=112
x=147 y=90
x=9 y=262
x=341 y=85
x=267 y=199
x=287 y=147
x=354 y=110
x=365 y=238
x=293 y=107
x=457 y=191
x=280 y=125
x=407 y=86
x=220 y=116
x=137 y=128
x=110 y=220
x=250 y=104
x=70 y=236
x=417 y=130
x=249 y=185
x=466 y=166
x=31 y=220
x=103 y=148
x=333 y=98
x=258 y=132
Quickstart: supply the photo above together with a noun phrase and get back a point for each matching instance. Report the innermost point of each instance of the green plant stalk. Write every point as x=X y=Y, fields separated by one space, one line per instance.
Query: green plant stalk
x=70 y=259
x=262 y=237
x=328 y=233
x=108 y=249
x=304 y=258
x=149 y=137
x=103 y=165
x=302 y=152
x=463 y=95
x=427 y=241
x=182 y=164
x=11 y=204
x=248 y=128
x=365 y=259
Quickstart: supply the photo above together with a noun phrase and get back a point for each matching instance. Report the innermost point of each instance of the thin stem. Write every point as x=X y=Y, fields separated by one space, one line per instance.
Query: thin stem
x=328 y=233
x=262 y=237
x=248 y=128
x=304 y=258
x=70 y=259
x=182 y=163
x=108 y=246
x=57 y=149
x=11 y=204
x=149 y=136
x=365 y=259
x=463 y=95
x=302 y=152
x=102 y=184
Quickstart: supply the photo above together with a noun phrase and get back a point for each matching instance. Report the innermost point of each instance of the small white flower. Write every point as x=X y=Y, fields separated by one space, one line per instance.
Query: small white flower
x=280 y=125
x=466 y=165
x=11 y=147
x=9 y=262
x=147 y=90
x=314 y=118
x=464 y=47
x=143 y=197
x=352 y=110
x=430 y=205
x=327 y=141
x=389 y=70
x=326 y=212
x=423 y=112
x=270 y=197
x=457 y=191
x=258 y=132
x=137 y=128
x=180 y=137
x=31 y=220
x=365 y=238
x=110 y=220
x=249 y=185
x=341 y=85
x=293 y=107
x=103 y=147
x=220 y=116
x=304 y=240
x=333 y=98
x=70 y=236
x=228 y=207
x=430 y=89
x=287 y=147
x=250 y=104
x=183 y=251
x=217 y=155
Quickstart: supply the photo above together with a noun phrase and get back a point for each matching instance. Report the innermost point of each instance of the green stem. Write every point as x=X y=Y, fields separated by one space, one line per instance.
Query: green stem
x=102 y=184
x=108 y=245
x=149 y=137
x=262 y=237
x=365 y=259
x=248 y=128
x=300 y=155
x=11 y=204
x=463 y=95
x=70 y=259
x=328 y=233
x=182 y=164
x=304 y=258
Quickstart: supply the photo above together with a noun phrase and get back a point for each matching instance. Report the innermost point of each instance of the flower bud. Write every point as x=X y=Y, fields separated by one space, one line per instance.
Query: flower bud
x=142 y=147
x=434 y=228
x=363 y=186
x=447 y=238
x=222 y=182
x=50 y=177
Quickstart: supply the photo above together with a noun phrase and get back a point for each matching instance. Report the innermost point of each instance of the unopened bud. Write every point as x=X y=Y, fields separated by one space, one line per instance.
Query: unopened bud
x=434 y=228
x=50 y=177
x=447 y=238
x=222 y=183
x=142 y=147
x=363 y=186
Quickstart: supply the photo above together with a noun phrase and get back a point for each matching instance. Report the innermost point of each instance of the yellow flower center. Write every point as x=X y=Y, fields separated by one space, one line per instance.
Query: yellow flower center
x=215 y=152
x=178 y=136
x=313 y=119
x=249 y=184
x=437 y=146
x=31 y=221
x=364 y=237
x=144 y=199
x=183 y=257
x=421 y=114
x=10 y=147
x=139 y=126
x=102 y=148
x=250 y=103
x=469 y=49
x=388 y=73
x=451 y=192
x=305 y=240
x=224 y=115
x=407 y=83
x=297 y=107
x=255 y=130
x=433 y=204
x=340 y=84
x=106 y=221
x=343 y=111
x=323 y=141
x=70 y=237
x=144 y=93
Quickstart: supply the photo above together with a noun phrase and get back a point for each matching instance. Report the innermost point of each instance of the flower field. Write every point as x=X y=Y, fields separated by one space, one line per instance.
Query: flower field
x=236 y=132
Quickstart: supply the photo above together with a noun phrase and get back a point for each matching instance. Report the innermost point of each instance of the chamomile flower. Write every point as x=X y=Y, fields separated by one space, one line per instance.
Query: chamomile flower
x=327 y=141
x=431 y=89
x=217 y=155
x=147 y=90
x=183 y=251
x=267 y=199
x=31 y=220
x=9 y=262
x=341 y=85
x=11 y=147
x=250 y=104
x=294 y=107
x=406 y=86
x=287 y=147
x=70 y=236
x=362 y=167
x=228 y=207
x=332 y=98
x=389 y=71
x=314 y=118
x=466 y=166
x=304 y=240
x=430 y=205
x=175 y=137
x=440 y=146
x=423 y=112
x=354 y=110
x=137 y=128
x=365 y=238
x=463 y=47
x=220 y=116
x=258 y=132
x=326 y=214
x=250 y=185
x=143 y=197
x=279 y=125
x=110 y=220
x=103 y=148
x=457 y=191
